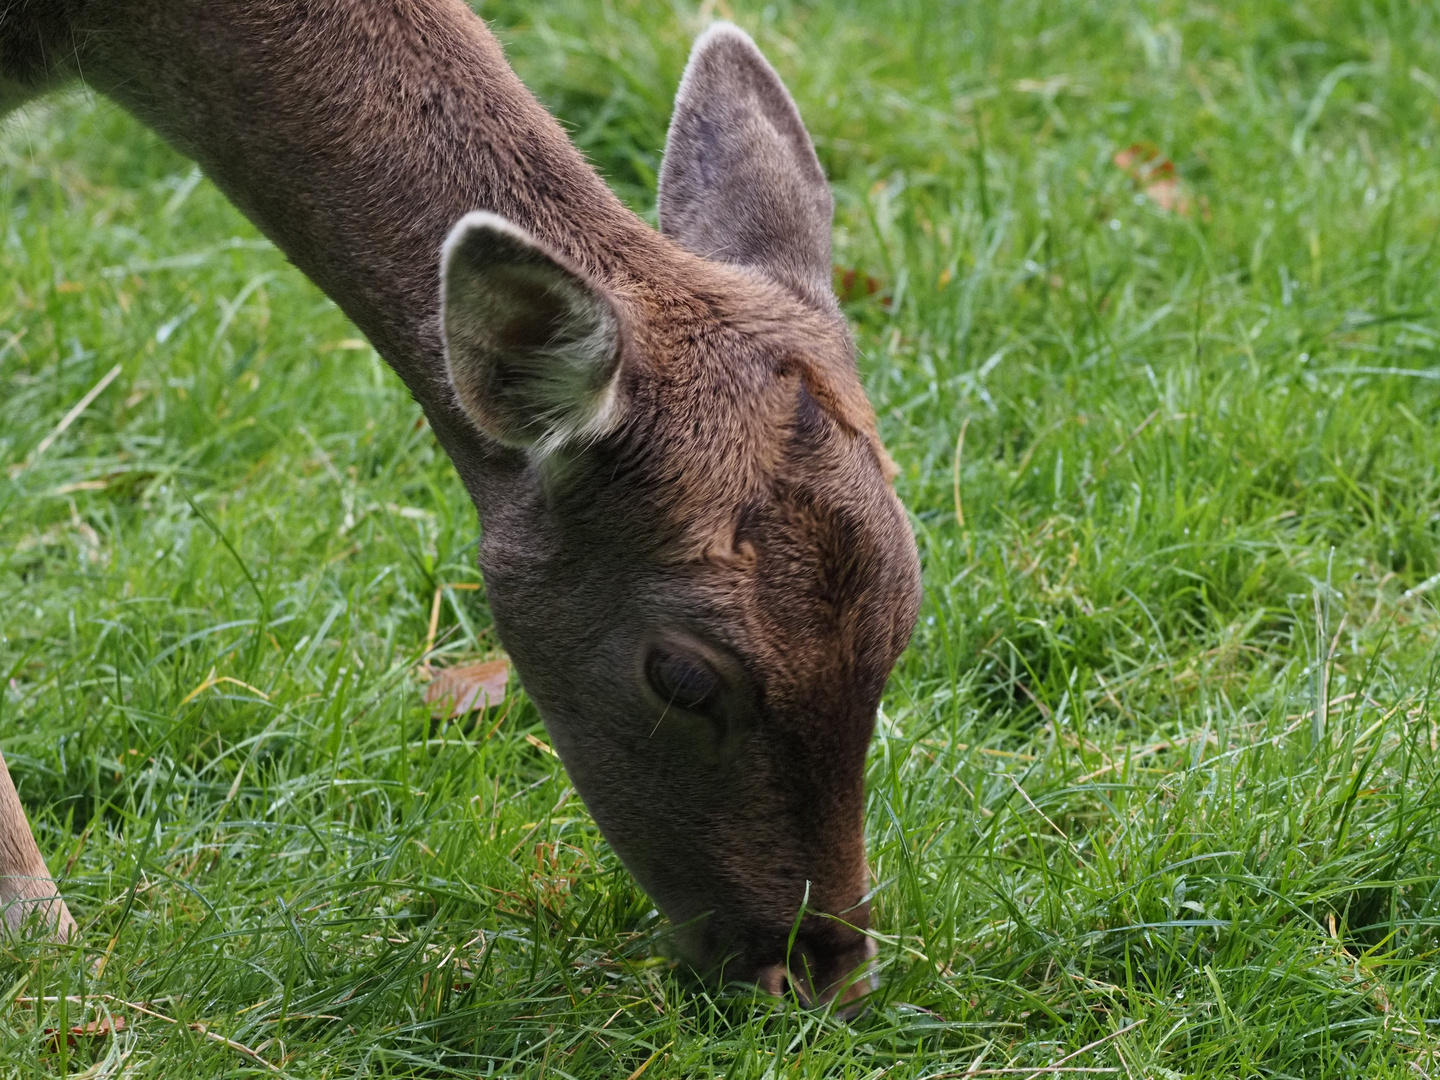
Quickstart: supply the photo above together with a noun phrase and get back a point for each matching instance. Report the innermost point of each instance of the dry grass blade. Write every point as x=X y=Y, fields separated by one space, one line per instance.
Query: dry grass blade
x=110 y=1026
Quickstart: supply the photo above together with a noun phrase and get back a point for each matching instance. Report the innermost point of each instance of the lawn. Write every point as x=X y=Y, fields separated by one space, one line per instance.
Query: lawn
x=1148 y=303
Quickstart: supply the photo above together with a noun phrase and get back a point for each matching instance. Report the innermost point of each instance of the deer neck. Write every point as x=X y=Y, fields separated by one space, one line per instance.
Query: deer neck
x=354 y=135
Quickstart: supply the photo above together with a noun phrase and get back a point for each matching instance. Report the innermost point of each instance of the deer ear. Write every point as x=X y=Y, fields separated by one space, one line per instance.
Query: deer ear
x=740 y=181
x=532 y=345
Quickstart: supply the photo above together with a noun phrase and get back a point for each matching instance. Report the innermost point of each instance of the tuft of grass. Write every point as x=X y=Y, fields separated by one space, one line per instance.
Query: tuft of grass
x=1153 y=792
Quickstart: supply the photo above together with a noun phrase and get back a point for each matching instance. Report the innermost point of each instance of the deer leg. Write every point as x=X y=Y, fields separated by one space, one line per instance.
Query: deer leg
x=28 y=895
x=37 y=53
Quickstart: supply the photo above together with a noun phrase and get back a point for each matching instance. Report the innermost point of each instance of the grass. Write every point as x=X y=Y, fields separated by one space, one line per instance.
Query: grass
x=1158 y=772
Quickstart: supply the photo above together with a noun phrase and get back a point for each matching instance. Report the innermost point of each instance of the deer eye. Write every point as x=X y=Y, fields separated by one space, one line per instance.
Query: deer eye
x=681 y=679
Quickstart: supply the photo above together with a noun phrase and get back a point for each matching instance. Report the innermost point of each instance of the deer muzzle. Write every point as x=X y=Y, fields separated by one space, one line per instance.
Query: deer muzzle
x=820 y=976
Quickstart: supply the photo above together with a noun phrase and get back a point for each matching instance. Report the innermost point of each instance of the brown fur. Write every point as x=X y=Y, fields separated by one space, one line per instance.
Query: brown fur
x=734 y=507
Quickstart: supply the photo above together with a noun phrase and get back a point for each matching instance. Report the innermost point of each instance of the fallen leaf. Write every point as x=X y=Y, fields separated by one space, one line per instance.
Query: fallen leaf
x=1143 y=162
x=1154 y=174
x=1169 y=196
x=93 y=1029
x=466 y=689
x=853 y=284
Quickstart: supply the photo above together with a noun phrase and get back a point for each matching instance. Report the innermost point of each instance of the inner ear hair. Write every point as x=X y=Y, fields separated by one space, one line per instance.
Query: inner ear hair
x=533 y=346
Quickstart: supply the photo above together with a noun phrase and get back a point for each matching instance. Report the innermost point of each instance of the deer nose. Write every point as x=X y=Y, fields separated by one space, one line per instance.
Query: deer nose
x=839 y=978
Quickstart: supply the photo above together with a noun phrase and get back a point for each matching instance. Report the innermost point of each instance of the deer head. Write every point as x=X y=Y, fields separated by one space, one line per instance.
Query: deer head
x=690 y=543
x=698 y=567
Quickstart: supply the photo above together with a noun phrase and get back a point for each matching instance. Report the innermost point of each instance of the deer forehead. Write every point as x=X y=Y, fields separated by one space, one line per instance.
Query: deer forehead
x=769 y=467
x=810 y=570
x=739 y=388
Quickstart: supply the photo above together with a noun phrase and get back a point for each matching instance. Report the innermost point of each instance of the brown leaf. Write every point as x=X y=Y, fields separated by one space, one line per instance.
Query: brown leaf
x=1143 y=162
x=1154 y=174
x=470 y=688
x=1169 y=196
x=97 y=1029
x=93 y=1029
x=853 y=284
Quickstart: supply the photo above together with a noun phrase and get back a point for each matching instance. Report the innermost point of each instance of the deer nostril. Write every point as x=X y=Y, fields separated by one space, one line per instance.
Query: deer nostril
x=773 y=979
x=778 y=980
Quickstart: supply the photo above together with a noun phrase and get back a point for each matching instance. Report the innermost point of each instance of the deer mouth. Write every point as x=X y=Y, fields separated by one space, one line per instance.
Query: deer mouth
x=838 y=981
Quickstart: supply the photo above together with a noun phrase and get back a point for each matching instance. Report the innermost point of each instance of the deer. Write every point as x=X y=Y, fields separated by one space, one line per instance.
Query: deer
x=689 y=536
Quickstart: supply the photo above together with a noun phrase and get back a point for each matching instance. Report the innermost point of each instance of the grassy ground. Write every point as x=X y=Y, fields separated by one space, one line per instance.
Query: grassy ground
x=1159 y=771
